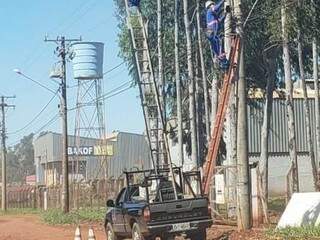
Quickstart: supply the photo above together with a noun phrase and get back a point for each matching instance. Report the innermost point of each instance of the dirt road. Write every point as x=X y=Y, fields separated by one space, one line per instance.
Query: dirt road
x=29 y=227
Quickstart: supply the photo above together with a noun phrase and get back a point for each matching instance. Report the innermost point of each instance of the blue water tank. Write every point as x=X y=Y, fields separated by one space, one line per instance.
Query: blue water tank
x=88 y=60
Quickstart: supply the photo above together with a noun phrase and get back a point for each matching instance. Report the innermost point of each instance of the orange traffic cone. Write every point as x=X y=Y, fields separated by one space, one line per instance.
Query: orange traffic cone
x=91 y=235
x=77 y=234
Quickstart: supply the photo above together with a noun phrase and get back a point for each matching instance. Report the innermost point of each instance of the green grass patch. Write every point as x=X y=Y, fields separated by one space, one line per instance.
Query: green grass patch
x=57 y=217
x=277 y=204
x=19 y=211
x=301 y=233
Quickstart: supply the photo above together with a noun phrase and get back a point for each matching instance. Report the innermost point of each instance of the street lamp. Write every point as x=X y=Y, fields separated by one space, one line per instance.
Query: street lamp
x=18 y=71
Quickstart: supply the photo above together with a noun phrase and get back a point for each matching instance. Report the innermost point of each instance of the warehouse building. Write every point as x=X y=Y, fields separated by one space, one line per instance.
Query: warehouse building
x=122 y=151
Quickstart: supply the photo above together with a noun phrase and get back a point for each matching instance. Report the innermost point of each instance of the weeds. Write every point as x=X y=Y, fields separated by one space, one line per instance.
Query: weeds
x=298 y=233
x=19 y=211
x=57 y=217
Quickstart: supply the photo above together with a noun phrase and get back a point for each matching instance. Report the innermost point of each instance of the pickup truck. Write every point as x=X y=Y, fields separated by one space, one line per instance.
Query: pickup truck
x=141 y=213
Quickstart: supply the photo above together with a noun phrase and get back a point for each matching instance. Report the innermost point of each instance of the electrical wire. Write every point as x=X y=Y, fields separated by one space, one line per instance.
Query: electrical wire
x=36 y=117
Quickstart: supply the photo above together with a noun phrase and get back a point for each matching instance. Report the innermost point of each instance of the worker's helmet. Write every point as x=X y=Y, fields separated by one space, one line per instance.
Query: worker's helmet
x=209 y=3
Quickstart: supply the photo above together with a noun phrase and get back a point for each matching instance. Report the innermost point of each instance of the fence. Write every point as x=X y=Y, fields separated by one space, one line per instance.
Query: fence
x=90 y=194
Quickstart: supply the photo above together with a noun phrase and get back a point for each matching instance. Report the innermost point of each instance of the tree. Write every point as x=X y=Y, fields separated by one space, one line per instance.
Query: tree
x=21 y=160
x=192 y=116
x=289 y=97
x=305 y=94
x=178 y=81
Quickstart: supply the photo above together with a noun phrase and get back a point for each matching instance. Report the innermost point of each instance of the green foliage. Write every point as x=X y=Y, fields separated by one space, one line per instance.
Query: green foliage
x=19 y=211
x=277 y=204
x=57 y=217
x=20 y=160
x=301 y=233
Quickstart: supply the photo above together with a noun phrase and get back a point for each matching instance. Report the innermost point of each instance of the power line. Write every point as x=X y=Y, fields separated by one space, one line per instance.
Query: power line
x=114 y=68
x=36 y=117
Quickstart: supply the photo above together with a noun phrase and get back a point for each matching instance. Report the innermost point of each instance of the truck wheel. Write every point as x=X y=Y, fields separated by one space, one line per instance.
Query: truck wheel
x=201 y=235
x=110 y=233
x=136 y=233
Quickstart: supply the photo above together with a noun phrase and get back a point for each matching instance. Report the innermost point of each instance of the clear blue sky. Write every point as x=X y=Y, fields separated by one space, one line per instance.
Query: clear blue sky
x=24 y=25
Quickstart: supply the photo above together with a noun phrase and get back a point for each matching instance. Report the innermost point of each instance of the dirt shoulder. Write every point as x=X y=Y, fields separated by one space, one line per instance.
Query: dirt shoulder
x=30 y=227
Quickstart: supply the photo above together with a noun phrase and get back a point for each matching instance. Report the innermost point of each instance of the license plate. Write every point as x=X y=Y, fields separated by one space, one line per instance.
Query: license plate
x=180 y=227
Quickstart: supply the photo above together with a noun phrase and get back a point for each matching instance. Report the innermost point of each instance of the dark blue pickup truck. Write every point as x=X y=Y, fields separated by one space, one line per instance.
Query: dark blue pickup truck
x=150 y=209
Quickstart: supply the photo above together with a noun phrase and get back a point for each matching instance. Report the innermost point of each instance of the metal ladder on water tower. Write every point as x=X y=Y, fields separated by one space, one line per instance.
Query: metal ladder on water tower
x=229 y=78
x=149 y=92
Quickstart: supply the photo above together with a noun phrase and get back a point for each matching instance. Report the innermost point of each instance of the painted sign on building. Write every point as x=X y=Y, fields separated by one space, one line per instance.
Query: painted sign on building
x=106 y=150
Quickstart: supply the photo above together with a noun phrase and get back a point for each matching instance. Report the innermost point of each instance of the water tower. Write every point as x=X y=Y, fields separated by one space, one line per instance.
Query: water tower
x=87 y=61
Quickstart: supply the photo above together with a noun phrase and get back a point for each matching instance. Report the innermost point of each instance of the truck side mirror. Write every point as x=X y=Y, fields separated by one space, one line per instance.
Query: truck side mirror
x=110 y=203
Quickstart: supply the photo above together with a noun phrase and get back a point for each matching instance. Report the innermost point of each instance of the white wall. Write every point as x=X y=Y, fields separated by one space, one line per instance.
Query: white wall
x=278 y=168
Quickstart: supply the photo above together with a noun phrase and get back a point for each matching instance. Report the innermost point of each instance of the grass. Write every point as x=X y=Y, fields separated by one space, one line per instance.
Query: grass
x=19 y=211
x=277 y=204
x=57 y=217
x=300 y=233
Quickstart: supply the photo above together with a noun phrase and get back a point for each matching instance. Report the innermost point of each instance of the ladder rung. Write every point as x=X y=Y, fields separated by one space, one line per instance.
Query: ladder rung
x=141 y=49
x=144 y=60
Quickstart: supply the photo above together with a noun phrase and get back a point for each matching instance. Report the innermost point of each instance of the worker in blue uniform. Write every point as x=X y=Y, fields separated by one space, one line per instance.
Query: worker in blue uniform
x=215 y=21
x=134 y=3
x=134 y=6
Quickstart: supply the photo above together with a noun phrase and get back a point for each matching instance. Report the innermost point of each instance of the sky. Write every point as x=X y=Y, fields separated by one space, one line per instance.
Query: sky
x=24 y=25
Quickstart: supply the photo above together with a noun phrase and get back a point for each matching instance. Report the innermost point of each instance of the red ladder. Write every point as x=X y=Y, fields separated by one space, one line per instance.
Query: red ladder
x=216 y=132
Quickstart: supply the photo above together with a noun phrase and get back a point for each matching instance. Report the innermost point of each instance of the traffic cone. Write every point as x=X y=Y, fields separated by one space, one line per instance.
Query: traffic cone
x=77 y=234
x=91 y=235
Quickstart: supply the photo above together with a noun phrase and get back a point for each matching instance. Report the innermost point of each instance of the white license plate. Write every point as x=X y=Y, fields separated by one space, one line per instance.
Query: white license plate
x=180 y=227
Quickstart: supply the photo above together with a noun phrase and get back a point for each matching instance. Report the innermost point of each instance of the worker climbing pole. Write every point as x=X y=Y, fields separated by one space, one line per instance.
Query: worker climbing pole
x=149 y=91
x=229 y=65
x=215 y=21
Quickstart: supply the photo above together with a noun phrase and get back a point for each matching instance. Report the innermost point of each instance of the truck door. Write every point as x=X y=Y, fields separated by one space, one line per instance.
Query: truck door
x=117 y=214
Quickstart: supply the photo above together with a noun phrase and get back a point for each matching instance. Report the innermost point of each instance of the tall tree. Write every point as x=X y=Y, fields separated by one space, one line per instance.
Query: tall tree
x=204 y=73
x=192 y=116
x=265 y=130
x=178 y=81
x=315 y=55
x=305 y=94
x=289 y=97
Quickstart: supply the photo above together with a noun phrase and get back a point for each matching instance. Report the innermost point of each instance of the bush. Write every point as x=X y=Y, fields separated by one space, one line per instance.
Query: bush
x=57 y=217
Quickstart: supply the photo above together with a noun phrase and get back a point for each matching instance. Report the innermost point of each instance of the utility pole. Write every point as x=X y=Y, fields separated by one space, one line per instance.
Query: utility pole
x=244 y=204
x=3 y=106
x=62 y=52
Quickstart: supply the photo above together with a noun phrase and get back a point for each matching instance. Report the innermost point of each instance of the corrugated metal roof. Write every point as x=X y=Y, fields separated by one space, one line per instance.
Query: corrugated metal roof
x=278 y=141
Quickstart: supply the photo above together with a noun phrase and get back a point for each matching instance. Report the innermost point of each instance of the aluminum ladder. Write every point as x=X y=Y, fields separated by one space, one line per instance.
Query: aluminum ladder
x=149 y=92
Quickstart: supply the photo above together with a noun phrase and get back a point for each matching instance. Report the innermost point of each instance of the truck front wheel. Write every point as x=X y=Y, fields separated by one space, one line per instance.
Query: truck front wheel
x=202 y=235
x=110 y=233
x=136 y=233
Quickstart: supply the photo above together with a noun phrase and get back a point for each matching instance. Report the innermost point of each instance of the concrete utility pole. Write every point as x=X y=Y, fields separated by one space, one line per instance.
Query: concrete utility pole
x=62 y=53
x=244 y=194
x=3 y=106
